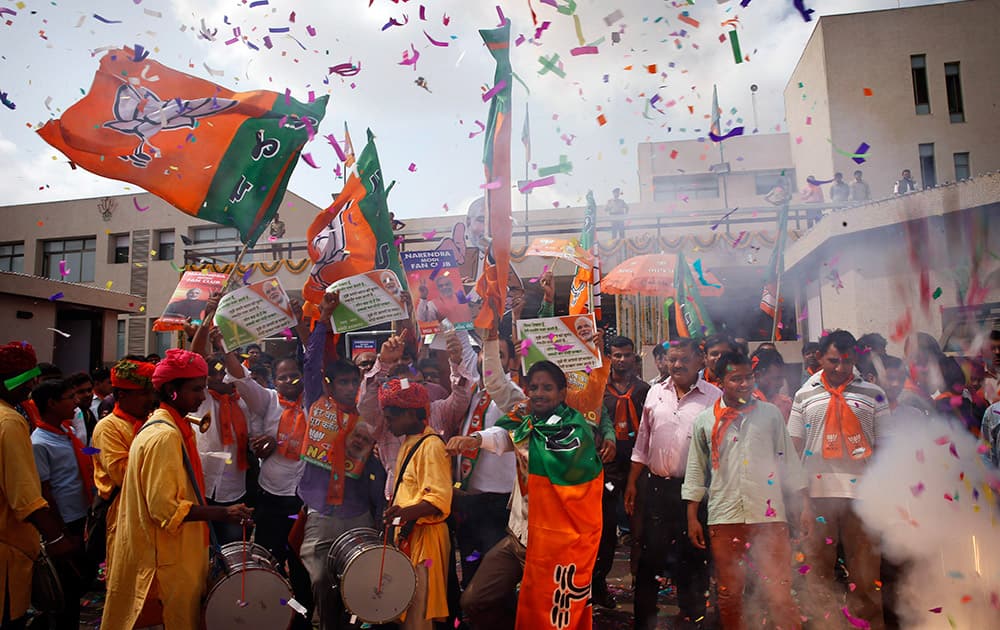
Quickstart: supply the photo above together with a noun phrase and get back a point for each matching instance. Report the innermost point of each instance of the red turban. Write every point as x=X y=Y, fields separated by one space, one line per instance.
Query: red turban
x=179 y=364
x=17 y=357
x=413 y=396
x=128 y=374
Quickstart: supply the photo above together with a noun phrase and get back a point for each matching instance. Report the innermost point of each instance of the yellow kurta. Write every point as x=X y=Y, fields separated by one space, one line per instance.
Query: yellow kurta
x=153 y=543
x=113 y=436
x=428 y=478
x=20 y=496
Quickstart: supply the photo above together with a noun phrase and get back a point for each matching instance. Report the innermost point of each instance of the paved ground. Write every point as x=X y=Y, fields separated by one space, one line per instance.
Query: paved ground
x=619 y=584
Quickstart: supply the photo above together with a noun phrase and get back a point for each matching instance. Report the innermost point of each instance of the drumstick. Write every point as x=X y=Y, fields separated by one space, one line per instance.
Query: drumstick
x=381 y=566
x=243 y=572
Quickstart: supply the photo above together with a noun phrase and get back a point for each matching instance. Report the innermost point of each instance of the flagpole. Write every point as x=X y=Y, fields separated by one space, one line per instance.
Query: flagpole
x=527 y=190
x=780 y=270
x=236 y=266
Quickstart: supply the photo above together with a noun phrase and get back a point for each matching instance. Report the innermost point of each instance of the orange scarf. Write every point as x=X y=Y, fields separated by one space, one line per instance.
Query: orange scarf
x=291 y=428
x=710 y=377
x=625 y=418
x=338 y=424
x=724 y=418
x=232 y=425
x=841 y=426
x=136 y=422
x=190 y=445
x=84 y=462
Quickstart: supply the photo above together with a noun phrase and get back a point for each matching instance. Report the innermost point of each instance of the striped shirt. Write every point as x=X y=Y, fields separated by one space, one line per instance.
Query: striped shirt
x=835 y=478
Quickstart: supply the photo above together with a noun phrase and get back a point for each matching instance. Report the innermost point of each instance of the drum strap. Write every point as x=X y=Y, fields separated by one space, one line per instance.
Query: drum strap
x=405 y=531
x=215 y=548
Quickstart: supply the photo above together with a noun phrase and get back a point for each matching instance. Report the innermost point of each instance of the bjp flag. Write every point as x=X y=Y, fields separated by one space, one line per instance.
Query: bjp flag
x=564 y=489
x=354 y=234
x=584 y=284
x=218 y=155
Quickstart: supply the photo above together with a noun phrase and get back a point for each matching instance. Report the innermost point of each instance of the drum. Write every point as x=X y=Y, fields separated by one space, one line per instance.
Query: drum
x=265 y=592
x=354 y=559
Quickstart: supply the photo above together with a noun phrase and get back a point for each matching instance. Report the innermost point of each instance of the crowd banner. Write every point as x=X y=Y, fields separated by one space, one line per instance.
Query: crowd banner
x=567 y=341
x=366 y=299
x=253 y=312
x=435 y=280
x=188 y=301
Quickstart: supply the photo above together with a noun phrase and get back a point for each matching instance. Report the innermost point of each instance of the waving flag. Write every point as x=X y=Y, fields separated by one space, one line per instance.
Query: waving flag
x=770 y=300
x=565 y=486
x=354 y=234
x=585 y=283
x=692 y=318
x=218 y=155
x=492 y=285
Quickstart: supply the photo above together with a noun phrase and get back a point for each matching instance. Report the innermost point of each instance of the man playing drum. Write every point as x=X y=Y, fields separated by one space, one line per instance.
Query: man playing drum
x=161 y=549
x=422 y=498
x=335 y=500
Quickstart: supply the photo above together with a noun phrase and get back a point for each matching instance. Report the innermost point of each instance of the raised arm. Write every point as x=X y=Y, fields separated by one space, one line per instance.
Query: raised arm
x=447 y=415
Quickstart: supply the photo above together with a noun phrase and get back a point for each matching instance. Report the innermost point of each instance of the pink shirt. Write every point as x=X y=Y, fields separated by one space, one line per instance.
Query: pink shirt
x=664 y=436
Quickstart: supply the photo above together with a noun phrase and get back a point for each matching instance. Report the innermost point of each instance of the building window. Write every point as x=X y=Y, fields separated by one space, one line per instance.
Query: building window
x=953 y=84
x=120 y=338
x=685 y=186
x=119 y=249
x=165 y=245
x=962 y=170
x=203 y=235
x=928 y=176
x=765 y=181
x=71 y=260
x=921 y=93
x=12 y=257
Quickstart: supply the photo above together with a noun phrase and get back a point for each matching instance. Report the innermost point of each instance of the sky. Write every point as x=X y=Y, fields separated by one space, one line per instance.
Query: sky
x=428 y=137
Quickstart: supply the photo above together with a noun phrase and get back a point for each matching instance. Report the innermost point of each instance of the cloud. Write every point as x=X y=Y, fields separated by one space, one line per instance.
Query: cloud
x=430 y=130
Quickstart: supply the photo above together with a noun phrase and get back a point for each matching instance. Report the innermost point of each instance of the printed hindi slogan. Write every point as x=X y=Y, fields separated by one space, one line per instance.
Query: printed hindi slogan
x=253 y=312
x=567 y=341
x=373 y=297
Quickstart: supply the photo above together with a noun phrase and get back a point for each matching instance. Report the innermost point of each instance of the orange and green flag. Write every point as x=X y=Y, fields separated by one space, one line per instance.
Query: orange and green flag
x=215 y=154
x=354 y=234
x=584 y=287
x=770 y=300
x=693 y=319
x=492 y=284
x=564 y=489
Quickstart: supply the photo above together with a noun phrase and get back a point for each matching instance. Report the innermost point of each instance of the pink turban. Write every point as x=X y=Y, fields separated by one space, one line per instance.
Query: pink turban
x=179 y=364
x=393 y=394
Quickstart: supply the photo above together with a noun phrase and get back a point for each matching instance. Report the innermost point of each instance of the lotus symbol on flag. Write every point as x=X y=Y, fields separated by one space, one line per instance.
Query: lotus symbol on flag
x=144 y=114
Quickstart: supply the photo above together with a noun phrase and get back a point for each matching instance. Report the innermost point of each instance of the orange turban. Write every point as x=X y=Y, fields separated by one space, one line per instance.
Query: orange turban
x=128 y=374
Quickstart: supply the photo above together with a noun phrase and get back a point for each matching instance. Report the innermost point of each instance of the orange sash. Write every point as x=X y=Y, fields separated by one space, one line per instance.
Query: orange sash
x=232 y=425
x=136 y=422
x=291 y=428
x=710 y=377
x=724 y=418
x=190 y=445
x=471 y=456
x=842 y=426
x=626 y=421
x=338 y=425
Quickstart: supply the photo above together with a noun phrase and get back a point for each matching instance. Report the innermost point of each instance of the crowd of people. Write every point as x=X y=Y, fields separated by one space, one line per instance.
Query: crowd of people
x=715 y=474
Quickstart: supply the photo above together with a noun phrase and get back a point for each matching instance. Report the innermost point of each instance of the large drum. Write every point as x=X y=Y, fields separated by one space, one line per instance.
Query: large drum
x=354 y=559
x=265 y=592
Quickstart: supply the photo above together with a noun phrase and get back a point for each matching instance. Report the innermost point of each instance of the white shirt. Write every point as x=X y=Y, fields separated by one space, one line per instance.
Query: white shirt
x=278 y=474
x=224 y=481
x=497 y=440
x=493 y=472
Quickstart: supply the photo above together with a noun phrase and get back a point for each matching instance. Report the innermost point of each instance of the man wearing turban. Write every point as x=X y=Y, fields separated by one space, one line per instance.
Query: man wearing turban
x=23 y=512
x=161 y=546
x=422 y=498
x=132 y=388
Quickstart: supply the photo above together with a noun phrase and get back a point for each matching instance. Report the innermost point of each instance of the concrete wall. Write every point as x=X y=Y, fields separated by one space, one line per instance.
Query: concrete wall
x=807 y=112
x=33 y=330
x=746 y=156
x=848 y=53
